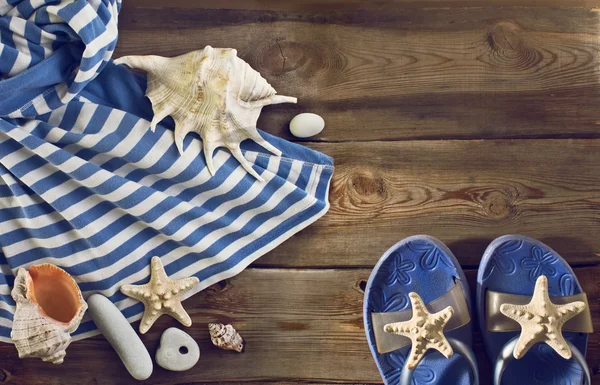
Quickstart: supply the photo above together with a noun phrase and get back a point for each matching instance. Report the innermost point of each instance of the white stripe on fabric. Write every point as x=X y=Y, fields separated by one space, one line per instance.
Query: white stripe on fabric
x=14 y=12
x=101 y=41
x=56 y=116
x=83 y=18
x=17 y=25
x=5 y=322
x=4 y=7
x=35 y=4
x=53 y=10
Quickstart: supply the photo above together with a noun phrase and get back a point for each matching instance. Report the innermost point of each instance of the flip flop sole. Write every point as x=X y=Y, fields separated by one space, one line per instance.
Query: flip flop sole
x=424 y=265
x=512 y=264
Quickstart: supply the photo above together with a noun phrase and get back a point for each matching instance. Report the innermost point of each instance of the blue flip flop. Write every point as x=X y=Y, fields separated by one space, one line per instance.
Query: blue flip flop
x=417 y=312
x=515 y=269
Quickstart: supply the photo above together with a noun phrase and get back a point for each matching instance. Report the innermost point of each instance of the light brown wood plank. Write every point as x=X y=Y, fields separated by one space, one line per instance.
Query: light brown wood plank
x=411 y=74
x=466 y=193
x=300 y=325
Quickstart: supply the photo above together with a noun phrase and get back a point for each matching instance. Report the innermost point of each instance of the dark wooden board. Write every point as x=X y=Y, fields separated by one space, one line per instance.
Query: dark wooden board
x=430 y=73
x=300 y=325
x=466 y=193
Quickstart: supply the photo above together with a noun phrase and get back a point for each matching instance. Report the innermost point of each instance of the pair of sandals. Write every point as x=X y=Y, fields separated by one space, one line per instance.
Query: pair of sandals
x=532 y=312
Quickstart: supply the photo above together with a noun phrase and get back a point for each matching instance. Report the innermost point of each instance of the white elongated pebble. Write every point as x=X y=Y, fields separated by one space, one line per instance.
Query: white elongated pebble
x=121 y=336
x=177 y=351
x=306 y=125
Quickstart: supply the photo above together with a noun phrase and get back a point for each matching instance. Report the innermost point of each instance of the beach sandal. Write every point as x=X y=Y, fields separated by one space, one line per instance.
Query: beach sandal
x=417 y=314
x=527 y=293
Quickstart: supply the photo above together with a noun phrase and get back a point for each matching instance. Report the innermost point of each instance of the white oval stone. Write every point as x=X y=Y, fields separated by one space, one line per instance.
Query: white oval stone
x=119 y=333
x=177 y=351
x=306 y=125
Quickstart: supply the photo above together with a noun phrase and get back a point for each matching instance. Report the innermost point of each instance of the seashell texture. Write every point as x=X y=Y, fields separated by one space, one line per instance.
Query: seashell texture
x=212 y=92
x=226 y=338
x=49 y=307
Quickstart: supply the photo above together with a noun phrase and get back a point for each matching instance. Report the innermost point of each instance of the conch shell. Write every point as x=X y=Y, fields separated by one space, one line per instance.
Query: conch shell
x=225 y=337
x=212 y=92
x=49 y=307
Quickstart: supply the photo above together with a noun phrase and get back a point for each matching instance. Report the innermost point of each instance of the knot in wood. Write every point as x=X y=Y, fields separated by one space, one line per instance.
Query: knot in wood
x=497 y=205
x=368 y=186
x=505 y=35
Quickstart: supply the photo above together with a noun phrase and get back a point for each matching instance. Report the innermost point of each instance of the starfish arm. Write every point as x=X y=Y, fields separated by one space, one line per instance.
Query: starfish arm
x=540 y=292
x=417 y=352
x=443 y=346
x=570 y=310
x=134 y=291
x=148 y=319
x=186 y=284
x=176 y=310
x=418 y=307
x=157 y=270
x=398 y=328
x=557 y=342
x=443 y=316
x=525 y=342
x=512 y=311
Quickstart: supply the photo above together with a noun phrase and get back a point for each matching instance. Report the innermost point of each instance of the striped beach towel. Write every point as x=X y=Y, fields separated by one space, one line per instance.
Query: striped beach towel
x=85 y=184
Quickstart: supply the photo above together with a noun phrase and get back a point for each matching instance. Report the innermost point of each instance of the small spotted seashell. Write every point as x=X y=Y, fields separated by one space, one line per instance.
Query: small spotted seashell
x=225 y=337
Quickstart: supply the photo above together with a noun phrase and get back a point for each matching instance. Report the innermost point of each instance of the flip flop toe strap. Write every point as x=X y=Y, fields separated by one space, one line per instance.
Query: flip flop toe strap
x=507 y=355
x=387 y=342
x=459 y=347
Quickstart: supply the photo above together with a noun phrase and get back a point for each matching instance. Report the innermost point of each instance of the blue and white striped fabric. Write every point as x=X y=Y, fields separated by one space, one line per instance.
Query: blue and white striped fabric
x=85 y=184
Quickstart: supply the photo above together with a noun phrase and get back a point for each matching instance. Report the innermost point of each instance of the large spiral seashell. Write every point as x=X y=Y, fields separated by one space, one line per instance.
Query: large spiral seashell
x=225 y=337
x=49 y=307
x=212 y=92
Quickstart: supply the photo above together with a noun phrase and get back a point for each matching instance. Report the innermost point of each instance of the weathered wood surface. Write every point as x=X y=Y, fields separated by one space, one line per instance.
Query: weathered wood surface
x=431 y=73
x=336 y=5
x=464 y=192
x=299 y=325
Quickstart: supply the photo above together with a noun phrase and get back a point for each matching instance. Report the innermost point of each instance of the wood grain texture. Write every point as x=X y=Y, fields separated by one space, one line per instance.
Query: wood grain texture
x=465 y=193
x=288 y=336
x=337 y=5
x=409 y=74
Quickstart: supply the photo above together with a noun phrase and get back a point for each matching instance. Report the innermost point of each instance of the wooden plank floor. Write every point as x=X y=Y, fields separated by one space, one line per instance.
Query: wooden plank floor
x=463 y=119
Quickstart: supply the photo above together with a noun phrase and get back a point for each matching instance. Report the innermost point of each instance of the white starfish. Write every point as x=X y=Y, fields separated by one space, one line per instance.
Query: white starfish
x=542 y=321
x=161 y=295
x=425 y=330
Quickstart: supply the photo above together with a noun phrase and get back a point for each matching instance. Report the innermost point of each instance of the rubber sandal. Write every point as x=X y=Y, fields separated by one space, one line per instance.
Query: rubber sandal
x=414 y=349
x=517 y=279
